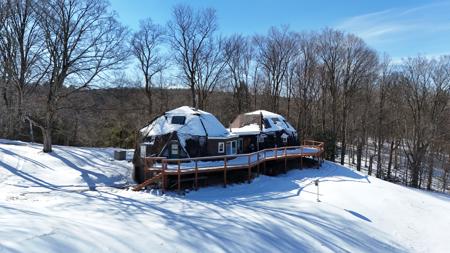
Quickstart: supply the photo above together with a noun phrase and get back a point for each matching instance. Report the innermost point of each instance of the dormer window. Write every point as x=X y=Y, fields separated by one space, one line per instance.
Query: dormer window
x=179 y=120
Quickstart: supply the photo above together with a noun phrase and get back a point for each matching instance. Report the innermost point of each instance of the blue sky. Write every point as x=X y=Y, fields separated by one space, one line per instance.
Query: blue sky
x=399 y=28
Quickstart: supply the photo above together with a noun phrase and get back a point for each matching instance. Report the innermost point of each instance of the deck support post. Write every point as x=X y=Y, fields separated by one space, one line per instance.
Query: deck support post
x=258 y=163
x=179 y=178
x=225 y=172
x=301 y=157
x=249 y=170
x=264 y=163
x=163 y=178
x=196 y=175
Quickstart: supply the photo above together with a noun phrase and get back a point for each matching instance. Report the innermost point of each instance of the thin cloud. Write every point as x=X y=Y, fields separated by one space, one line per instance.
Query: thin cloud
x=399 y=23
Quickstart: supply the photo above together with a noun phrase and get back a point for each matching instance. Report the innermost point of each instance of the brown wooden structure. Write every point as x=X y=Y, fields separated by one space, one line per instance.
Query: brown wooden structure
x=158 y=169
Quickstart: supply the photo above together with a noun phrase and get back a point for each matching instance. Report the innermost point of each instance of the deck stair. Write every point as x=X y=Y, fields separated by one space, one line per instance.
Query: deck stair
x=148 y=182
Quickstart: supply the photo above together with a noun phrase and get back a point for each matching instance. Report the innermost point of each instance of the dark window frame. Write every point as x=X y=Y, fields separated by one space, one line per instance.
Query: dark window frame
x=178 y=120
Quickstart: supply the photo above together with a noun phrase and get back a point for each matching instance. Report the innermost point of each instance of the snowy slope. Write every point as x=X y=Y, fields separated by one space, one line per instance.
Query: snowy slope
x=46 y=206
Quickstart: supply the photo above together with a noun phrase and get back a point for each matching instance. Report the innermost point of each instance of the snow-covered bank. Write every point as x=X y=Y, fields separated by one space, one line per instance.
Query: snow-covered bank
x=46 y=206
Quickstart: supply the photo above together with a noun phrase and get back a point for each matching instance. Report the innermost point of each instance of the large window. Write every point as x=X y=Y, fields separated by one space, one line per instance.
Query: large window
x=179 y=120
x=221 y=147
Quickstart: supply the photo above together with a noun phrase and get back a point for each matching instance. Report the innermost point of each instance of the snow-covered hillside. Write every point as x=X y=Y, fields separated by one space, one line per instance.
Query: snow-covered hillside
x=67 y=202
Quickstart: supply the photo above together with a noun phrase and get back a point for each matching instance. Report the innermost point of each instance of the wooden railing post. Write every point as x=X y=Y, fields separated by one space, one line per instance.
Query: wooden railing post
x=225 y=172
x=285 y=159
x=163 y=180
x=196 y=175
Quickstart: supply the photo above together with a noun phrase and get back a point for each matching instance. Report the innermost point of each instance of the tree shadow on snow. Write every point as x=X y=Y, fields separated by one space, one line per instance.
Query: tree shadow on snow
x=89 y=177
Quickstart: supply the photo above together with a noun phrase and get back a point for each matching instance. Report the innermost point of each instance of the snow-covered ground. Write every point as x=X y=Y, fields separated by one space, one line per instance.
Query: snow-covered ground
x=48 y=204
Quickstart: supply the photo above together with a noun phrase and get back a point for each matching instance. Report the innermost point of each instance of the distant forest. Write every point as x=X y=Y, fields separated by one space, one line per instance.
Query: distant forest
x=65 y=79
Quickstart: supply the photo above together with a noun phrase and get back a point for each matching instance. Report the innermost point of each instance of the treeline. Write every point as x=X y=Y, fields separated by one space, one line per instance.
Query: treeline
x=62 y=75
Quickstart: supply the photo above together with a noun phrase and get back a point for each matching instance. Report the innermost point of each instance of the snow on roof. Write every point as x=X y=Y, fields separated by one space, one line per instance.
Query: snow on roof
x=247 y=129
x=275 y=121
x=196 y=123
x=266 y=114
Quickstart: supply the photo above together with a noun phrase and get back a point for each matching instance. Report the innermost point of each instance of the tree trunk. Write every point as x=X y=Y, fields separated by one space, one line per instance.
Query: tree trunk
x=415 y=175
x=359 y=151
x=194 y=101
x=445 y=175
x=47 y=129
x=379 y=162
x=367 y=153
x=47 y=135
x=430 y=172
x=391 y=154
x=344 y=135
x=369 y=172
x=148 y=93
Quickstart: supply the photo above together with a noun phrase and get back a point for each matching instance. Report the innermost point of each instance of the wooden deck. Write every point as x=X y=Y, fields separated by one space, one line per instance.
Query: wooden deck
x=158 y=169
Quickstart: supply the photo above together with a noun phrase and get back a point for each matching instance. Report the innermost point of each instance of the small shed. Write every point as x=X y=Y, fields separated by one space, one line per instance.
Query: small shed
x=262 y=129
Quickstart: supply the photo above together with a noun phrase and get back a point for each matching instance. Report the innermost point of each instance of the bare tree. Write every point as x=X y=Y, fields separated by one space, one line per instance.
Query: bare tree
x=275 y=51
x=146 y=47
x=426 y=90
x=238 y=50
x=440 y=85
x=197 y=51
x=359 y=64
x=307 y=81
x=331 y=55
x=21 y=47
x=82 y=40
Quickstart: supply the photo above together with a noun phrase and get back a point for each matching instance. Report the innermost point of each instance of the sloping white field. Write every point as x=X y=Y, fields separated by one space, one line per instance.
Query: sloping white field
x=46 y=206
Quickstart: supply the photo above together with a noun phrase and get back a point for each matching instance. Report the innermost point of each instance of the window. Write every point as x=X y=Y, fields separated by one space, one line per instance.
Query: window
x=179 y=120
x=233 y=147
x=240 y=145
x=174 y=148
x=221 y=147
x=202 y=140
x=284 y=138
x=261 y=137
x=275 y=120
x=266 y=124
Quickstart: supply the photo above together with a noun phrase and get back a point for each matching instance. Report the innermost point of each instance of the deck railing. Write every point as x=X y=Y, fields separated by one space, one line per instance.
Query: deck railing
x=162 y=166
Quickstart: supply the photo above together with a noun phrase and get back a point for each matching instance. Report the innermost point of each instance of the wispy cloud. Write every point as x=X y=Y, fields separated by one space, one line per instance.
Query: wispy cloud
x=397 y=24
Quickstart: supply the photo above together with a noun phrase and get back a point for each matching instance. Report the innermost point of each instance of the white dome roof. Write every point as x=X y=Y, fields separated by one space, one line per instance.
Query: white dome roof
x=196 y=122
